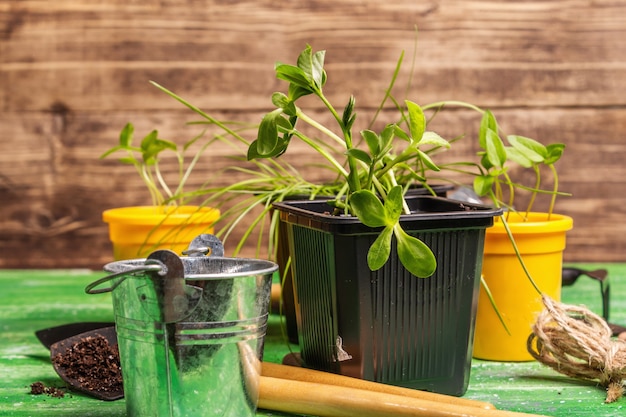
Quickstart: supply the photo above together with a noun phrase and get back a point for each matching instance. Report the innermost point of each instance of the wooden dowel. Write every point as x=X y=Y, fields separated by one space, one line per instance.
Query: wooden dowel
x=275 y=297
x=324 y=400
x=275 y=370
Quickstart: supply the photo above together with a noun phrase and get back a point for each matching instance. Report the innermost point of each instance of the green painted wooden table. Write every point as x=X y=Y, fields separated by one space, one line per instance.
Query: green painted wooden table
x=32 y=300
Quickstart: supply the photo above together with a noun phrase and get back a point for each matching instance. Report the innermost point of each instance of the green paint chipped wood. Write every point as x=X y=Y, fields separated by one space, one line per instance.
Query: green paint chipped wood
x=31 y=300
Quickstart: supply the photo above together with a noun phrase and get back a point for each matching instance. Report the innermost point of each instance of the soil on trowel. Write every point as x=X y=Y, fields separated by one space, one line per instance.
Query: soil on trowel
x=93 y=363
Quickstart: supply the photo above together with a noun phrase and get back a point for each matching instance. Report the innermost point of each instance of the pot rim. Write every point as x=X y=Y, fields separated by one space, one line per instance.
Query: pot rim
x=160 y=215
x=537 y=223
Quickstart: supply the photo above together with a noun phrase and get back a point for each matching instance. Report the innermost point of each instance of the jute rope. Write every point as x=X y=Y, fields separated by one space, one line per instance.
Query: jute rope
x=577 y=342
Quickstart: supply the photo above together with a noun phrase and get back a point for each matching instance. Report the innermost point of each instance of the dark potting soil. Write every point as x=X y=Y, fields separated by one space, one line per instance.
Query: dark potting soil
x=38 y=388
x=93 y=363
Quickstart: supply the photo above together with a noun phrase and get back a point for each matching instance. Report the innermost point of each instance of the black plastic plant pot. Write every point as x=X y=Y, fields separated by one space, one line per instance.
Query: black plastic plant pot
x=282 y=256
x=388 y=326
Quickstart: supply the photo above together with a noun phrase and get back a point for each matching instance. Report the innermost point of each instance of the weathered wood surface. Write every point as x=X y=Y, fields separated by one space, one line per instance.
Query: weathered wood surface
x=72 y=73
x=32 y=300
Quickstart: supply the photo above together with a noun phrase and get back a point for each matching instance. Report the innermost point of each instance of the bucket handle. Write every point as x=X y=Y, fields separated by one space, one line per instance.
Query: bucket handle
x=150 y=266
x=201 y=245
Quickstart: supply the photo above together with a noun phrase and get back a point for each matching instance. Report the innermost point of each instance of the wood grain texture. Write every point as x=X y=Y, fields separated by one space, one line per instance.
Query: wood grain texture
x=72 y=73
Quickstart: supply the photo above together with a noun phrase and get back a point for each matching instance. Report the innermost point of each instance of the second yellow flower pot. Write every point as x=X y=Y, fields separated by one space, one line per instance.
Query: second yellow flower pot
x=137 y=231
x=541 y=243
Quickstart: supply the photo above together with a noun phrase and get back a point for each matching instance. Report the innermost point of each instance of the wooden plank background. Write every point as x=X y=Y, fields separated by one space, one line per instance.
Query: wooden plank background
x=73 y=72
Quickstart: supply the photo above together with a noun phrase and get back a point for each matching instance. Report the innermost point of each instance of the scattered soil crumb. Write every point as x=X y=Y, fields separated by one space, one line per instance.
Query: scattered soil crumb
x=93 y=364
x=38 y=388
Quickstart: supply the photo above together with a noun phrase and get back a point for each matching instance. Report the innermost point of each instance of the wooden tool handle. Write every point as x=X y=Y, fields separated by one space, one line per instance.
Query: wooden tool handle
x=275 y=370
x=334 y=401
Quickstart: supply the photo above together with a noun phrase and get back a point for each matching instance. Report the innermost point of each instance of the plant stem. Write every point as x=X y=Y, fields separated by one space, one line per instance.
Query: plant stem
x=555 y=190
x=392 y=179
x=388 y=90
x=353 y=177
x=201 y=113
x=404 y=156
x=157 y=198
x=492 y=301
x=161 y=180
x=511 y=189
x=534 y=192
x=191 y=167
x=304 y=117
x=322 y=152
x=455 y=103
x=519 y=256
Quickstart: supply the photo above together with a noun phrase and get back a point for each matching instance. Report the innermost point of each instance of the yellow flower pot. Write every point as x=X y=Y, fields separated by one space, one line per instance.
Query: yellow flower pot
x=541 y=244
x=137 y=231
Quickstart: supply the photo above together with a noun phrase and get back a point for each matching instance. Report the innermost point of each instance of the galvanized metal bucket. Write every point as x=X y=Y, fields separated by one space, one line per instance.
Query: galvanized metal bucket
x=190 y=330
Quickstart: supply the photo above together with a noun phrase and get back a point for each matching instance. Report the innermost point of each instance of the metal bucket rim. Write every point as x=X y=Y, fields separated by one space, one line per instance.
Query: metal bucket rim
x=264 y=267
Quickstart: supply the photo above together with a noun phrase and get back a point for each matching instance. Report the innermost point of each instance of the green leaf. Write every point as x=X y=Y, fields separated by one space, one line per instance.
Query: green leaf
x=414 y=254
x=295 y=91
x=350 y=122
x=484 y=160
x=488 y=122
x=483 y=184
x=253 y=152
x=380 y=250
x=152 y=146
x=518 y=157
x=126 y=135
x=368 y=208
x=285 y=125
x=386 y=138
x=318 y=73
x=149 y=140
x=401 y=134
x=112 y=150
x=280 y=100
x=555 y=151
x=268 y=133
x=432 y=138
x=394 y=205
x=372 y=140
x=528 y=147
x=427 y=161
x=359 y=154
x=293 y=75
x=348 y=114
x=125 y=142
x=151 y=153
x=417 y=121
x=495 y=149
x=312 y=64
x=128 y=160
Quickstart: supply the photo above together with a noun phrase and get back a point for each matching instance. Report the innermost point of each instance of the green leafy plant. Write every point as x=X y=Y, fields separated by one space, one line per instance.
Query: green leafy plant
x=260 y=184
x=491 y=177
x=246 y=200
x=374 y=169
x=377 y=175
x=491 y=172
x=371 y=190
x=146 y=157
x=523 y=151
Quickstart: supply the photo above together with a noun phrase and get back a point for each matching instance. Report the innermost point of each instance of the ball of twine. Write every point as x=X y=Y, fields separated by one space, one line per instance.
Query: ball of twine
x=578 y=343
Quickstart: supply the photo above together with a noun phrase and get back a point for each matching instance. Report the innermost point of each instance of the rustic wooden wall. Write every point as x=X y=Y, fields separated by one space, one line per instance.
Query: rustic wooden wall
x=73 y=72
